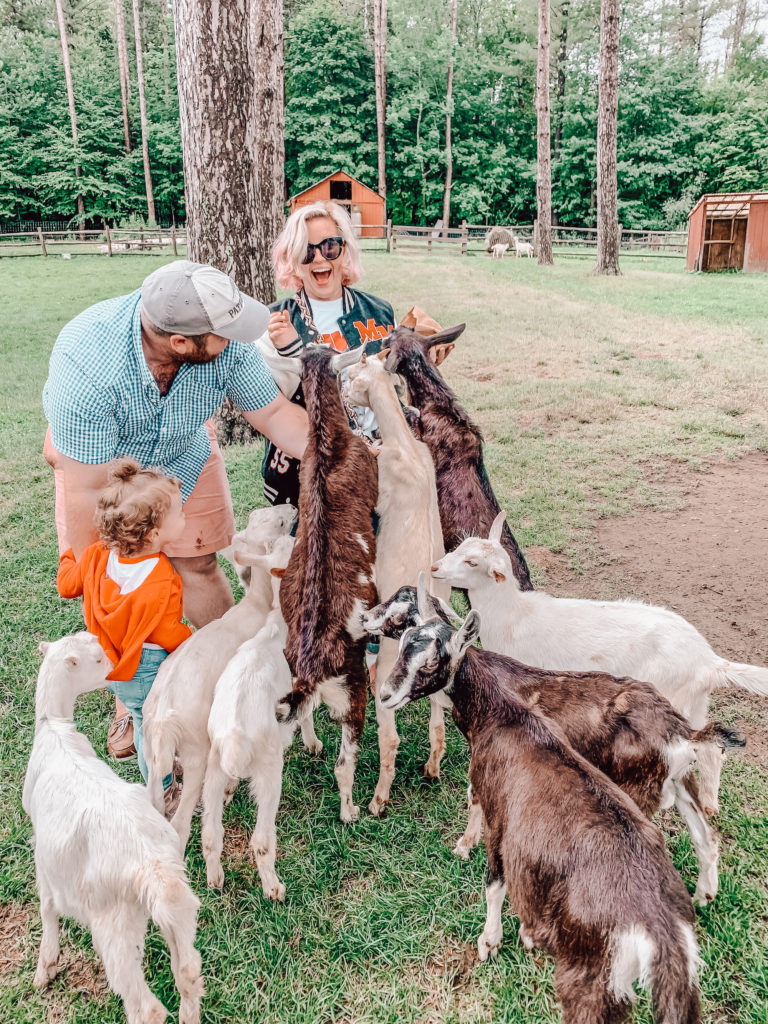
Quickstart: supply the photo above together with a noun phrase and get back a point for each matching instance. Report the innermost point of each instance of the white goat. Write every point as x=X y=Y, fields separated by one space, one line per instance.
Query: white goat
x=247 y=741
x=262 y=523
x=103 y=854
x=176 y=710
x=498 y=250
x=622 y=638
x=523 y=248
x=410 y=538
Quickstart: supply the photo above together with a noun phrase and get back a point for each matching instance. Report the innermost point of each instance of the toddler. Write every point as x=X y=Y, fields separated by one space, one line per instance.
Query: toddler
x=132 y=595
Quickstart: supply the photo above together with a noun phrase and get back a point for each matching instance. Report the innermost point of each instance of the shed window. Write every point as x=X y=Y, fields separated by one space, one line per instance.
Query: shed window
x=341 y=190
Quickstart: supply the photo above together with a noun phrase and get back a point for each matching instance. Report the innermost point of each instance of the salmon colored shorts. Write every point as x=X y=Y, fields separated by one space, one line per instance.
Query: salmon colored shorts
x=210 y=519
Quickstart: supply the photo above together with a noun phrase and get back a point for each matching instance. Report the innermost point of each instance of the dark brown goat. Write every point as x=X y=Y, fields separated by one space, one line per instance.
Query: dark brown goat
x=622 y=726
x=329 y=580
x=468 y=505
x=588 y=875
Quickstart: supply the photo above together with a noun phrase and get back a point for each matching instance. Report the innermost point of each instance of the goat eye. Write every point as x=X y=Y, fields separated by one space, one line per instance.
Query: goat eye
x=470 y=561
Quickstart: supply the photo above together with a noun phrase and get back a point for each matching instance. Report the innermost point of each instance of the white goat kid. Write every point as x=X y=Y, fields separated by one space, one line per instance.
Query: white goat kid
x=263 y=523
x=247 y=741
x=498 y=250
x=103 y=854
x=523 y=248
x=176 y=710
x=622 y=638
x=410 y=538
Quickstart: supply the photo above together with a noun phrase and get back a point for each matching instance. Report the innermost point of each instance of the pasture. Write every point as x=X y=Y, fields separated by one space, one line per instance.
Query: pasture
x=603 y=401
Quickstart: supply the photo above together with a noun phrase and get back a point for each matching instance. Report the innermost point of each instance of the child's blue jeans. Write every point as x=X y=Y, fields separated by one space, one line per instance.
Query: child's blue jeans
x=133 y=693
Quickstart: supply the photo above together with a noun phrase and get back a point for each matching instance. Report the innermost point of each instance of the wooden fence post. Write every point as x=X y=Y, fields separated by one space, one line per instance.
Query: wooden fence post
x=389 y=234
x=41 y=236
x=173 y=240
x=109 y=240
x=394 y=239
x=464 y=238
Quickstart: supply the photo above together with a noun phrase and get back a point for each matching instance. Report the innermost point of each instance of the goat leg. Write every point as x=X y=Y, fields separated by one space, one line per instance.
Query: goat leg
x=474 y=830
x=389 y=741
x=436 y=740
x=47 y=963
x=351 y=731
x=495 y=891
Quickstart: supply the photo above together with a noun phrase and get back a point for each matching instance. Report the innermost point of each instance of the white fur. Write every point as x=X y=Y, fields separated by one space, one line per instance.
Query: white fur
x=103 y=854
x=622 y=638
x=265 y=525
x=523 y=248
x=176 y=710
x=632 y=955
x=410 y=538
x=247 y=741
x=498 y=250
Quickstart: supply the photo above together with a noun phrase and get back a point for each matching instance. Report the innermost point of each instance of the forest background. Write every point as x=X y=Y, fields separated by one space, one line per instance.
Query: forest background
x=693 y=108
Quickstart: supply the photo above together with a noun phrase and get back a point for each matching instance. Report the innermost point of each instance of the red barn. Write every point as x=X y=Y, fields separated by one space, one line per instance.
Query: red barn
x=728 y=231
x=366 y=207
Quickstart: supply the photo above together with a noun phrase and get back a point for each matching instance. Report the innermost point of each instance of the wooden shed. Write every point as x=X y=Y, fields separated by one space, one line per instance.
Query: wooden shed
x=365 y=206
x=729 y=231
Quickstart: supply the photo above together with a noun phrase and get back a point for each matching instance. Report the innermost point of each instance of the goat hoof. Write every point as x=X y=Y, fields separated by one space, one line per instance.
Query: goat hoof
x=431 y=772
x=486 y=948
x=349 y=814
x=378 y=807
x=314 y=748
x=44 y=975
x=275 y=892
x=215 y=878
x=461 y=850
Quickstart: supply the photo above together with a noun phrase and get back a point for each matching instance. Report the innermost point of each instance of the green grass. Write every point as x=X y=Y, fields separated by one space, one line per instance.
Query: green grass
x=586 y=389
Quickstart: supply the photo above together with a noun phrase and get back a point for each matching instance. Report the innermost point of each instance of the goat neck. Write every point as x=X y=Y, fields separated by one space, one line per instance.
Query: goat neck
x=322 y=396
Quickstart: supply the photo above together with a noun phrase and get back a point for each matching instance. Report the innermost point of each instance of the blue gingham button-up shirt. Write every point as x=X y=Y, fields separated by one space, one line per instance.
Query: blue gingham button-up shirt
x=102 y=402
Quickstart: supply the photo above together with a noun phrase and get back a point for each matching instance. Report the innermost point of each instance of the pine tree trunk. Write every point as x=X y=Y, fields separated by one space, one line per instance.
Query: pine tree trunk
x=166 y=54
x=544 y=174
x=608 y=233
x=143 y=112
x=232 y=112
x=380 y=76
x=562 y=54
x=124 y=69
x=72 y=112
x=448 y=112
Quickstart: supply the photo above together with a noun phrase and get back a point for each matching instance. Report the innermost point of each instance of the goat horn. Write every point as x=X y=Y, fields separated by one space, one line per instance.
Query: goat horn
x=363 y=358
x=383 y=354
x=421 y=597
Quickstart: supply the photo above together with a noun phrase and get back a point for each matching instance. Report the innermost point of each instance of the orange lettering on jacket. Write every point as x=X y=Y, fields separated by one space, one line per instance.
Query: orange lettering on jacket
x=370 y=331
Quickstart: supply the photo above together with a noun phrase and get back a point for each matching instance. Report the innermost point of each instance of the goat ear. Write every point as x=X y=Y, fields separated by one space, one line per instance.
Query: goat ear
x=42 y=647
x=467 y=635
x=71 y=660
x=421 y=596
x=497 y=574
x=279 y=573
x=497 y=526
x=349 y=358
x=445 y=337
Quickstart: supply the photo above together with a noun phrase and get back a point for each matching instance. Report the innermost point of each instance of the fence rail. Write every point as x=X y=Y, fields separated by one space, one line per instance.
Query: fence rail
x=402 y=238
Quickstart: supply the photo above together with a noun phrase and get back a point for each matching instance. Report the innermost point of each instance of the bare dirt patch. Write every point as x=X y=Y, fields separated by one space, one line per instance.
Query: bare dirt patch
x=708 y=561
x=14 y=936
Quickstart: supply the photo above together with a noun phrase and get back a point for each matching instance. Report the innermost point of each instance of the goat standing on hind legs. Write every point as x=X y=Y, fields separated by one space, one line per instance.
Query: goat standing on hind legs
x=329 y=582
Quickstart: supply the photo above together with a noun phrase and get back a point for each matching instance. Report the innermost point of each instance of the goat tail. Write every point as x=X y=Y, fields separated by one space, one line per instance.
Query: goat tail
x=674 y=984
x=161 y=735
x=748 y=677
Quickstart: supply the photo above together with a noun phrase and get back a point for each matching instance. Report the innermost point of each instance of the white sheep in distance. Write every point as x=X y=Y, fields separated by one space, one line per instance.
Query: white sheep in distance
x=523 y=248
x=247 y=741
x=622 y=638
x=103 y=853
x=176 y=710
x=410 y=538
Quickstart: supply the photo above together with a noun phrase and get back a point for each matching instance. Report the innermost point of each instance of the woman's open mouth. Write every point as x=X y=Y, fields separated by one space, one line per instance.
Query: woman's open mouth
x=322 y=276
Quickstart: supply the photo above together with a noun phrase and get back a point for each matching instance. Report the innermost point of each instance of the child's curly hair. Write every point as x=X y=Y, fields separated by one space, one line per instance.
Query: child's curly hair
x=133 y=504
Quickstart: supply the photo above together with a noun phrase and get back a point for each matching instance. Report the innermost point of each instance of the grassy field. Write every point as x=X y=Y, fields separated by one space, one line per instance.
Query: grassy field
x=586 y=389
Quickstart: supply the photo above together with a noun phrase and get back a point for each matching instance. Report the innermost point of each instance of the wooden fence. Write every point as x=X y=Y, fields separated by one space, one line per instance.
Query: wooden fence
x=396 y=238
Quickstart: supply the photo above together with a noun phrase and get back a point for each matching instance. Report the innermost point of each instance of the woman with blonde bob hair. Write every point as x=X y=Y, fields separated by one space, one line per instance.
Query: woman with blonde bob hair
x=318 y=256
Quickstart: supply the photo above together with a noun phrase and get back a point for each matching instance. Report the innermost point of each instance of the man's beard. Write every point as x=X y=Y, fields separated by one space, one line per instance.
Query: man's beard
x=198 y=357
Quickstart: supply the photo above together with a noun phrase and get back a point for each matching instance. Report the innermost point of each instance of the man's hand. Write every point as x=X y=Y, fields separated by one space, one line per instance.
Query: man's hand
x=439 y=352
x=284 y=423
x=281 y=330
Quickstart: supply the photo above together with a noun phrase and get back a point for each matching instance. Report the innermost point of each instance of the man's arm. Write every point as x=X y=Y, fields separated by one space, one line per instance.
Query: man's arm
x=82 y=485
x=284 y=423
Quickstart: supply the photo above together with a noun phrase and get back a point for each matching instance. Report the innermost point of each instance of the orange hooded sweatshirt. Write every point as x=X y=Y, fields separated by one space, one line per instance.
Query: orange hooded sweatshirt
x=122 y=623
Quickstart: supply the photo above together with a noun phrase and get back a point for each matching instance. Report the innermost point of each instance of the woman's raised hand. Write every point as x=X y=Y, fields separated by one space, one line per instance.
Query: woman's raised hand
x=281 y=330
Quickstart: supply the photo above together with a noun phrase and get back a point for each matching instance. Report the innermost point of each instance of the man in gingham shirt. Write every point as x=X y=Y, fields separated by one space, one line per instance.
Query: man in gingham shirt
x=140 y=375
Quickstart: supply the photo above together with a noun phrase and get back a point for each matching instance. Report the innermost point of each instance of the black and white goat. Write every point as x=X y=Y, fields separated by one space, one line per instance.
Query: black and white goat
x=587 y=874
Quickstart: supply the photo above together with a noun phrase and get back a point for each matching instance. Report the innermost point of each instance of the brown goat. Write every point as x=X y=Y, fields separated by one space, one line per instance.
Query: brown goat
x=465 y=496
x=587 y=874
x=622 y=726
x=329 y=581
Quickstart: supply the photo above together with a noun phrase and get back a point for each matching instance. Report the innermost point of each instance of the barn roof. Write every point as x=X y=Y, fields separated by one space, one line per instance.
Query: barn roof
x=730 y=204
x=331 y=175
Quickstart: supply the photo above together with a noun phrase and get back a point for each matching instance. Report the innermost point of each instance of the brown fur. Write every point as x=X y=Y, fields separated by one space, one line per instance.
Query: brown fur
x=468 y=505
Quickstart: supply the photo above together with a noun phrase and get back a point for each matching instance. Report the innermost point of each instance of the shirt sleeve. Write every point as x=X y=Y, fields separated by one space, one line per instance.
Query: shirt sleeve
x=171 y=631
x=250 y=385
x=83 y=426
x=69 y=578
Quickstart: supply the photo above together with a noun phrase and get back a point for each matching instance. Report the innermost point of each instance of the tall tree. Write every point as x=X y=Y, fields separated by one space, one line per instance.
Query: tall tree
x=448 y=114
x=608 y=233
x=71 y=104
x=266 y=28
x=544 y=169
x=560 y=76
x=124 y=70
x=166 y=52
x=143 y=113
x=380 y=75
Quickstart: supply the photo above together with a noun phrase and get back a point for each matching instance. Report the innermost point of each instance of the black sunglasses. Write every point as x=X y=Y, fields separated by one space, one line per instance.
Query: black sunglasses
x=330 y=249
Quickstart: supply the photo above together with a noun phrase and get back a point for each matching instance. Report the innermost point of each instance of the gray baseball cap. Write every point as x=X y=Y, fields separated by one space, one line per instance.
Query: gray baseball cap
x=194 y=298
